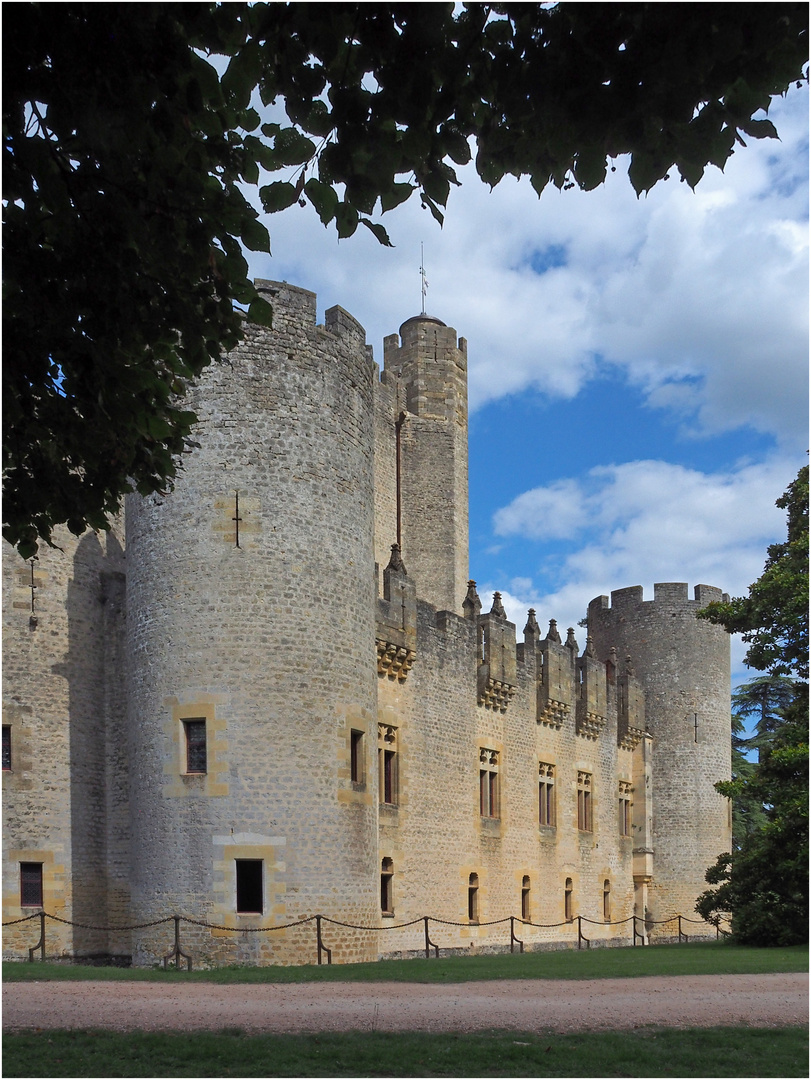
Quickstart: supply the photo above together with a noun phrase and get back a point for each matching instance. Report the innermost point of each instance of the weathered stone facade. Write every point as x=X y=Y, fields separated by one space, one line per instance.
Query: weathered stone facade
x=374 y=747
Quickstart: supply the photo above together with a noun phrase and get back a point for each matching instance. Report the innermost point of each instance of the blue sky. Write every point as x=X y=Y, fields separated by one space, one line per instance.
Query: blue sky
x=638 y=367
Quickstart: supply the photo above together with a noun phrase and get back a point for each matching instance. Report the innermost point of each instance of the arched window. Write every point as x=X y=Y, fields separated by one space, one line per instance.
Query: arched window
x=568 y=909
x=525 y=904
x=607 y=900
x=386 y=887
x=473 y=898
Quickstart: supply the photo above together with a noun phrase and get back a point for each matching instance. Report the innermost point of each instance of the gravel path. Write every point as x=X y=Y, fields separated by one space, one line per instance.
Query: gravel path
x=526 y=1005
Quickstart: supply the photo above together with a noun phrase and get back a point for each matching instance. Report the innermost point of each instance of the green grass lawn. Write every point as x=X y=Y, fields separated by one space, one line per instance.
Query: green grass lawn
x=715 y=958
x=644 y=1052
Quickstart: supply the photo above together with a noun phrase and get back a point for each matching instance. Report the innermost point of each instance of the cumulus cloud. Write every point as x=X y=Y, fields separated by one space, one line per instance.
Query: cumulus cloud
x=641 y=522
x=700 y=297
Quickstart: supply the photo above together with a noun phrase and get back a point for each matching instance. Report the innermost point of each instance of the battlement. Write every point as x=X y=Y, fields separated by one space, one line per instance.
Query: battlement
x=664 y=592
x=294 y=305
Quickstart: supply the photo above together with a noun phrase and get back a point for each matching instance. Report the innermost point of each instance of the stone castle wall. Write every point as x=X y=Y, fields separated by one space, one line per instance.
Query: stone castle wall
x=247 y=601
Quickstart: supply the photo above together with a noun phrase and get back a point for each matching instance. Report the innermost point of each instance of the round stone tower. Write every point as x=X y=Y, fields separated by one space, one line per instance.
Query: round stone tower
x=252 y=686
x=683 y=664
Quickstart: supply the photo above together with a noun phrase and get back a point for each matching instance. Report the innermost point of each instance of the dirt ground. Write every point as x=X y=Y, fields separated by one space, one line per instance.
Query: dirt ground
x=525 y=1005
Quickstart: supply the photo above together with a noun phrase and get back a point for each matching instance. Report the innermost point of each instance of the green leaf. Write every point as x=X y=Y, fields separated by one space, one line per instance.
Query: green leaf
x=435 y=211
x=277 y=196
x=293 y=148
x=346 y=219
x=255 y=236
x=261 y=312
x=378 y=231
x=759 y=129
x=397 y=193
x=323 y=197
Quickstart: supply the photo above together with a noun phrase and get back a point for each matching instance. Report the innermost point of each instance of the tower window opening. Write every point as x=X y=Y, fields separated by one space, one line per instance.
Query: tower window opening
x=6 y=747
x=388 y=764
x=356 y=771
x=585 y=819
x=525 y=904
x=250 y=892
x=607 y=900
x=386 y=887
x=546 y=794
x=31 y=884
x=488 y=784
x=195 y=735
x=625 y=817
x=568 y=904
x=473 y=898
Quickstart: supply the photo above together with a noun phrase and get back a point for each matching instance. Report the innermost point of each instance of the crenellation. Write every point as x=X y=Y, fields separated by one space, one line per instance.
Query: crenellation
x=185 y=738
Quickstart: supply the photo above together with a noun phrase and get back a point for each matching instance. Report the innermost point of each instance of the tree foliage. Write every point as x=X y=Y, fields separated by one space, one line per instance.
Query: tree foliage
x=764 y=885
x=126 y=151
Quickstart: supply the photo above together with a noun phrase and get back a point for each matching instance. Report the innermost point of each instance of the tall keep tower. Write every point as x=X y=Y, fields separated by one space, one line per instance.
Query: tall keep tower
x=431 y=368
x=683 y=664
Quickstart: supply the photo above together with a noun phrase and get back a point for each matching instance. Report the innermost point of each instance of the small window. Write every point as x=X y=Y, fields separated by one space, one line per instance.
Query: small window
x=356 y=770
x=250 y=890
x=195 y=732
x=386 y=889
x=525 y=904
x=584 y=807
x=31 y=884
x=488 y=783
x=568 y=903
x=6 y=748
x=625 y=793
x=546 y=793
x=473 y=898
x=607 y=900
x=388 y=765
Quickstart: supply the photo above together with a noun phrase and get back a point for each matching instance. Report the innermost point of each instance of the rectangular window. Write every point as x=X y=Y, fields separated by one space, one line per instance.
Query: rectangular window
x=625 y=793
x=6 y=748
x=250 y=890
x=584 y=807
x=488 y=783
x=31 y=884
x=356 y=770
x=386 y=890
x=546 y=794
x=195 y=732
x=388 y=764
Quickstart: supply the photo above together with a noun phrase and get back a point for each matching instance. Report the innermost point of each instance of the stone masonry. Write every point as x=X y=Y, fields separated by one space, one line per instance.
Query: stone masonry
x=273 y=694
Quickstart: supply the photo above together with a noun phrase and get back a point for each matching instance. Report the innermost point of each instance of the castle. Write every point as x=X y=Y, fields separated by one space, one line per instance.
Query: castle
x=273 y=693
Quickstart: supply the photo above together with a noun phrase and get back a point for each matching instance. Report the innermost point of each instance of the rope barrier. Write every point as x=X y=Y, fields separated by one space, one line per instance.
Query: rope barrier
x=177 y=953
x=252 y=929
x=109 y=929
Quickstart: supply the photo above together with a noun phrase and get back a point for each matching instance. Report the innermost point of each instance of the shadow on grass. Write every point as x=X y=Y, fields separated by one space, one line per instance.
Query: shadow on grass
x=649 y=1052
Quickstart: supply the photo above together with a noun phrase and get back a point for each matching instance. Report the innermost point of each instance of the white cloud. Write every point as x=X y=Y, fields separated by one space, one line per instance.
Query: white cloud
x=701 y=297
x=644 y=522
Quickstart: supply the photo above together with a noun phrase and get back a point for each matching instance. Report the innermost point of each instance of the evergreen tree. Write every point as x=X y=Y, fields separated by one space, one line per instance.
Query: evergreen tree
x=763 y=886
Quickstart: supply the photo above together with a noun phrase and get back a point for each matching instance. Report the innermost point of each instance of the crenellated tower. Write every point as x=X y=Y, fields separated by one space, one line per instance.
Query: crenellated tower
x=683 y=665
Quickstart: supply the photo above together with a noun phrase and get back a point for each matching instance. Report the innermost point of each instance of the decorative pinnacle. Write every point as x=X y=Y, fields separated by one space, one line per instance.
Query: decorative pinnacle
x=571 y=641
x=396 y=562
x=629 y=667
x=498 y=608
x=532 y=629
x=471 y=605
x=589 y=649
x=552 y=633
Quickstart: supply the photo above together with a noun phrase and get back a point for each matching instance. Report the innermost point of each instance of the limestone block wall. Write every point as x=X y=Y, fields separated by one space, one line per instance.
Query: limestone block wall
x=683 y=664
x=436 y=835
x=62 y=796
x=263 y=627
